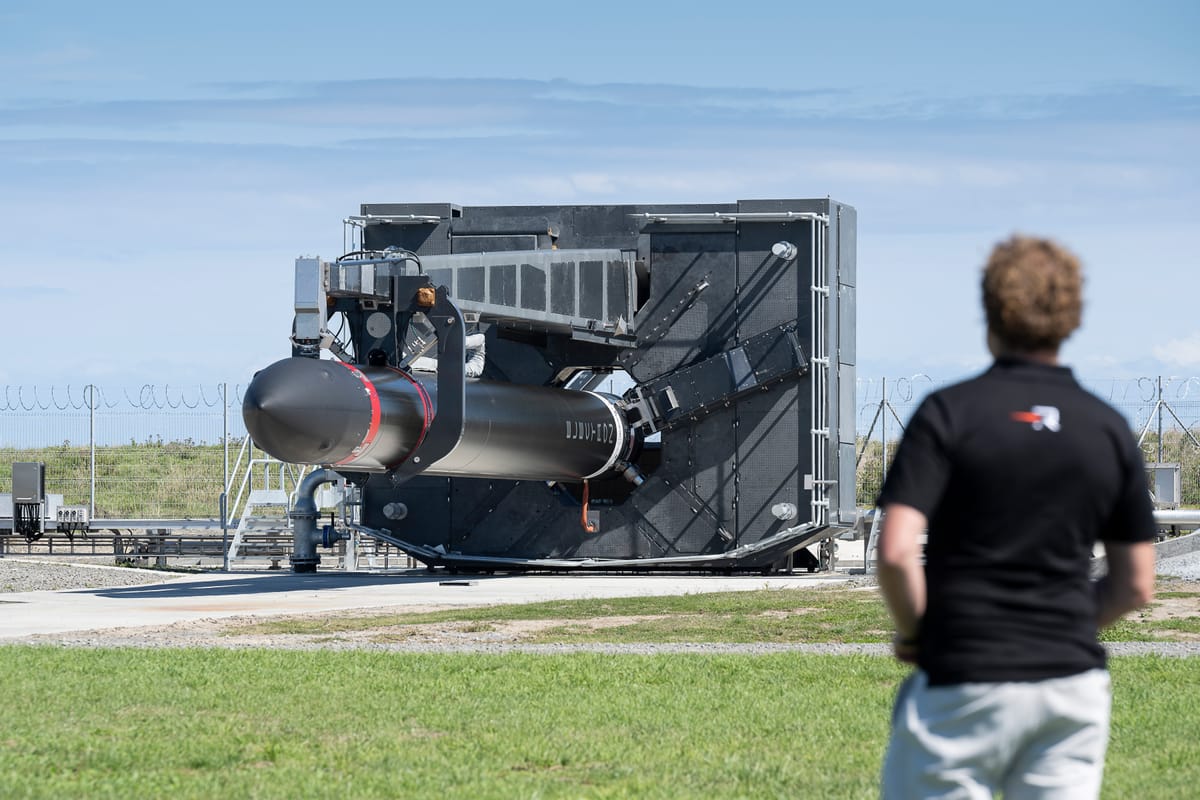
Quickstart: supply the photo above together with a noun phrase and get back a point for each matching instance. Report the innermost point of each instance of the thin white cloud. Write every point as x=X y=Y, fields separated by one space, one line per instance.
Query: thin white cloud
x=594 y=183
x=228 y=188
x=438 y=105
x=1183 y=352
x=881 y=171
x=32 y=292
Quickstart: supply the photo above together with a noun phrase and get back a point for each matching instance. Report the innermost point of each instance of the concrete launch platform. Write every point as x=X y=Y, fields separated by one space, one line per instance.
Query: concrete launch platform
x=218 y=595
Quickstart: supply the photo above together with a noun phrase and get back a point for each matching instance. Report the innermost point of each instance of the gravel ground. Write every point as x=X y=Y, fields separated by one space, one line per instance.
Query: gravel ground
x=211 y=634
x=1185 y=566
x=24 y=576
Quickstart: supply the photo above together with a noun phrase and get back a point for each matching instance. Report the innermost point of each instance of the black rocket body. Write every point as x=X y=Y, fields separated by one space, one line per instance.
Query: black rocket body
x=373 y=419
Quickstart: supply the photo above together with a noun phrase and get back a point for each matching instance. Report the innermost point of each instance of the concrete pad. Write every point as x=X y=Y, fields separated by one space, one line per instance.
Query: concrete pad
x=217 y=595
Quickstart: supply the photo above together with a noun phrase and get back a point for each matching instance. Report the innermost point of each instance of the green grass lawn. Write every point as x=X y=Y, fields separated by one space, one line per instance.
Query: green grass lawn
x=292 y=724
x=770 y=615
x=268 y=723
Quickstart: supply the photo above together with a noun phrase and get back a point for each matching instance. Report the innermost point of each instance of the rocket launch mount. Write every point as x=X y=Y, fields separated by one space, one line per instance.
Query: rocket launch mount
x=471 y=348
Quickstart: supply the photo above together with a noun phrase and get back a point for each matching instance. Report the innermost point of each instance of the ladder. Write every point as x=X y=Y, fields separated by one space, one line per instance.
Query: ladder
x=254 y=521
x=261 y=506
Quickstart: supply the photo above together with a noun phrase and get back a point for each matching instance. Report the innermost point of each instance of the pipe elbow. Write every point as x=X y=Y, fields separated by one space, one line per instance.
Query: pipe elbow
x=306 y=502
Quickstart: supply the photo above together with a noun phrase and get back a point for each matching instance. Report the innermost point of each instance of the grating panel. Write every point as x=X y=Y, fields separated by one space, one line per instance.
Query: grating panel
x=714 y=467
x=515 y=519
x=675 y=523
x=562 y=287
x=502 y=286
x=690 y=312
x=471 y=284
x=493 y=244
x=622 y=534
x=772 y=291
x=427 y=500
x=847 y=244
x=618 y=291
x=727 y=469
x=591 y=289
x=533 y=287
x=773 y=448
x=683 y=345
x=443 y=277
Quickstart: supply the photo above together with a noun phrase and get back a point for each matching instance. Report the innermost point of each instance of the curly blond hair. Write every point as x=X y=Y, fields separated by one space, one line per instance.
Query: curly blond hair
x=1032 y=293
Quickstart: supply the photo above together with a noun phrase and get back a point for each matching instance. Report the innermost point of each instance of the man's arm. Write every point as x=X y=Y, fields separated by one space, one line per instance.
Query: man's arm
x=901 y=577
x=1129 y=584
x=476 y=354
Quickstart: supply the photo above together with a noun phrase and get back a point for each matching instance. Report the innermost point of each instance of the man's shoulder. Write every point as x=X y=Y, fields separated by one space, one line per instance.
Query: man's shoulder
x=1099 y=406
x=1083 y=400
x=1060 y=390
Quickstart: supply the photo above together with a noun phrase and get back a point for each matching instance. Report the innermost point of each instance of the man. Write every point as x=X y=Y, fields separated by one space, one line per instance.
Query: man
x=1015 y=474
x=476 y=355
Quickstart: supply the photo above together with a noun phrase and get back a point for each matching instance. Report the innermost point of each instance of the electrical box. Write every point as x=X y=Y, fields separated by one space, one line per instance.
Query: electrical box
x=310 y=300
x=29 y=482
x=72 y=518
x=1165 y=485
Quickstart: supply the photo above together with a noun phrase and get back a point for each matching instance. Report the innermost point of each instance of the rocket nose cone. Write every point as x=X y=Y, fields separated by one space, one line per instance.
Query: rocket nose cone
x=306 y=411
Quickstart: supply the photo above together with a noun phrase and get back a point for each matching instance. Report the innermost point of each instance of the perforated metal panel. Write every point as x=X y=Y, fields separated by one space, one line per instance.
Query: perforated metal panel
x=713 y=287
x=590 y=290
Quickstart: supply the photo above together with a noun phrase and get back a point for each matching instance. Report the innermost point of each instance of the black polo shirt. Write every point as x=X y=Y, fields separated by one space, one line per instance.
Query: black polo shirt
x=1019 y=471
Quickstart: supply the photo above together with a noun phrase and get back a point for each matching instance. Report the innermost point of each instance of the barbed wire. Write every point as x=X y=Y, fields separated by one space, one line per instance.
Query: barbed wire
x=900 y=390
x=1175 y=388
x=149 y=397
x=1137 y=397
x=1185 y=388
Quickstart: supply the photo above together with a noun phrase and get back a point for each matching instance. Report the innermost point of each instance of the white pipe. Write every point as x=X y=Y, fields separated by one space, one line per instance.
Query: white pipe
x=1177 y=516
x=812 y=338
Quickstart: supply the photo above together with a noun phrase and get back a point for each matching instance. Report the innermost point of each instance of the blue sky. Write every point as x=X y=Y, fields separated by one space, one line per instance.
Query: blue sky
x=162 y=164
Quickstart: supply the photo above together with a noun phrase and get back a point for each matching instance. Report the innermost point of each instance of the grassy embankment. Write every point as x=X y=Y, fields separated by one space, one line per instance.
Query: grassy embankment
x=148 y=480
x=182 y=479
x=777 y=616
x=288 y=724
x=1177 y=448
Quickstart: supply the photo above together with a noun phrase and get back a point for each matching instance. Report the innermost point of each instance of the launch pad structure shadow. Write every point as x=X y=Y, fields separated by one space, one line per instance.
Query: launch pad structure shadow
x=273 y=583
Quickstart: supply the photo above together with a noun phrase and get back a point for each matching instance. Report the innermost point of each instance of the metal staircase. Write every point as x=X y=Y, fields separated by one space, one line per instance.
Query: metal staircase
x=265 y=494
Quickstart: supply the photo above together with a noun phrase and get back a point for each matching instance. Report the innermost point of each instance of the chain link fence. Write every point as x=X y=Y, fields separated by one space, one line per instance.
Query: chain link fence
x=1164 y=413
x=154 y=453
x=160 y=452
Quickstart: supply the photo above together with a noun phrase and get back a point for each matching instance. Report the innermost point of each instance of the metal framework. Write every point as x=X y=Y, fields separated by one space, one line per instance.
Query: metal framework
x=729 y=320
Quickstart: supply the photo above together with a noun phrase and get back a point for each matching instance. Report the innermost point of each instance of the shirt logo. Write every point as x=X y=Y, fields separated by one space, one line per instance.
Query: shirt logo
x=1040 y=417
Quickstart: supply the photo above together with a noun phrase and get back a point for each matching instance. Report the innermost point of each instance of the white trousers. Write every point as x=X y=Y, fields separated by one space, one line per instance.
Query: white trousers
x=1041 y=739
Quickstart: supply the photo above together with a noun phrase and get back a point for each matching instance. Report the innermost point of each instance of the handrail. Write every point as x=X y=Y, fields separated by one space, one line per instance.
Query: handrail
x=236 y=508
x=237 y=462
x=245 y=463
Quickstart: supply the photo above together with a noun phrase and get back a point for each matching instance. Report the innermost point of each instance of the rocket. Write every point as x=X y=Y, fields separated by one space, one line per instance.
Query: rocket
x=374 y=419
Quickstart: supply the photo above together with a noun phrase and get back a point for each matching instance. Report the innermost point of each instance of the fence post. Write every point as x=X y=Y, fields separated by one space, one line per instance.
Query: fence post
x=224 y=532
x=225 y=476
x=1160 y=410
x=92 y=450
x=883 y=433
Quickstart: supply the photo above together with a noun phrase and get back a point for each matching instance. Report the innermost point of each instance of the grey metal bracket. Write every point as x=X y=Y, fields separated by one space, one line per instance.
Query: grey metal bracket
x=691 y=393
x=701 y=508
x=664 y=324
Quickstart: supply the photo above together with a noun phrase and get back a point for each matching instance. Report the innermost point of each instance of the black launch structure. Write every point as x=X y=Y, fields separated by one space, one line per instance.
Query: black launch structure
x=663 y=386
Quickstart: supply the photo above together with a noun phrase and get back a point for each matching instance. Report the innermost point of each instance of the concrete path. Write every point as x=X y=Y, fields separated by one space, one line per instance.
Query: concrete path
x=216 y=595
